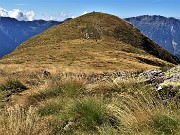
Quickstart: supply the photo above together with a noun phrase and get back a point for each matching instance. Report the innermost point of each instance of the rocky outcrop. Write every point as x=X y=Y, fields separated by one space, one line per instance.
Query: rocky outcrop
x=167 y=84
x=154 y=77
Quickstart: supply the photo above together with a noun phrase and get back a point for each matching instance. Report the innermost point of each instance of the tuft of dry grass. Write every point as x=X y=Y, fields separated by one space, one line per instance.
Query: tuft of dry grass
x=141 y=112
x=17 y=120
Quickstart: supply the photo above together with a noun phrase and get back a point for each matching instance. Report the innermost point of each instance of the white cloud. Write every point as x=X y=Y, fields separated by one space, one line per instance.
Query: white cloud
x=30 y=15
x=85 y=12
x=60 y=17
x=56 y=17
x=18 y=14
x=3 y=12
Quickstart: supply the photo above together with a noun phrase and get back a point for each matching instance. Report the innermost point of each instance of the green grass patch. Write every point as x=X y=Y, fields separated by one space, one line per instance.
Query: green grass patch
x=61 y=89
x=87 y=114
x=90 y=112
x=51 y=108
x=166 y=124
x=13 y=86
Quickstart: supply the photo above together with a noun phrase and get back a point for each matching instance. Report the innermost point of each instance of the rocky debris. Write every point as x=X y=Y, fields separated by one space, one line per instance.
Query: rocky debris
x=87 y=36
x=154 y=77
x=168 y=92
x=97 y=77
x=172 y=71
x=170 y=88
x=167 y=86
x=68 y=126
x=46 y=74
x=174 y=78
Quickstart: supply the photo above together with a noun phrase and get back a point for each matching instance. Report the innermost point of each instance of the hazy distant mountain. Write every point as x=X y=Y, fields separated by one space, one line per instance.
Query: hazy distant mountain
x=164 y=31
x=14 y=32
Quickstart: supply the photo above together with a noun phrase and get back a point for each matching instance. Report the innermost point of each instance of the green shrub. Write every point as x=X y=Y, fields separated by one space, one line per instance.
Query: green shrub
x=66 y=89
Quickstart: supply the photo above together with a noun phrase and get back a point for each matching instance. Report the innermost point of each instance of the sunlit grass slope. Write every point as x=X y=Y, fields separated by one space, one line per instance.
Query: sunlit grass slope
x=95 y=41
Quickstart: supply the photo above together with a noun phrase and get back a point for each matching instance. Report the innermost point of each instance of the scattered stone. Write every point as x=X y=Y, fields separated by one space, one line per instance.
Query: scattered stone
x=170 y=88
x=168 y=92
x=166 y=83
x=46 y=74
x=154 y=77
x=68 y=126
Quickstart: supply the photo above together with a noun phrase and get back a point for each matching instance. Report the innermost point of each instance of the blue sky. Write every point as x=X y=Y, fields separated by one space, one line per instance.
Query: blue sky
x=60 y=9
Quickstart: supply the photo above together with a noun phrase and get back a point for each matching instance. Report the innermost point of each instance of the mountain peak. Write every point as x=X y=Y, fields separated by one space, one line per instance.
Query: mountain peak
x=93 y=41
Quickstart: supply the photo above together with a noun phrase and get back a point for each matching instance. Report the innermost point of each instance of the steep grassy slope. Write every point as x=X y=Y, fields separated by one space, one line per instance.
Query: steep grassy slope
x=94 y=41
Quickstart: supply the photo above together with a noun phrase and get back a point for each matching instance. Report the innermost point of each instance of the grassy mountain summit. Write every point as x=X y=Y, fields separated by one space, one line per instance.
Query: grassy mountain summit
x=94 y=41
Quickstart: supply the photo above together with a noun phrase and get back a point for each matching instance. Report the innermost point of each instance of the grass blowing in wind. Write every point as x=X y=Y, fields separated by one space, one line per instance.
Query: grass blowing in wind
x=124 y=107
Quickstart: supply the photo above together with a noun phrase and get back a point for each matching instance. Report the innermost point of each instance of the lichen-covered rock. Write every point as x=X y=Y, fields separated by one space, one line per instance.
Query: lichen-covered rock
x=170 y=88
x=168 y=92
x=166 y=83
x=172 y=71
x=154 y=77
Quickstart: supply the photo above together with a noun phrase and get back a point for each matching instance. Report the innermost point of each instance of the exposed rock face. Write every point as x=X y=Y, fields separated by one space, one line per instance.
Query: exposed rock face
x=170 y=88
x=164 y=31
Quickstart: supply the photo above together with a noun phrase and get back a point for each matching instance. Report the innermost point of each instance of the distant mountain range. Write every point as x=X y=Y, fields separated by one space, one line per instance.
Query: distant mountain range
x=14 y=32
x=164 y=31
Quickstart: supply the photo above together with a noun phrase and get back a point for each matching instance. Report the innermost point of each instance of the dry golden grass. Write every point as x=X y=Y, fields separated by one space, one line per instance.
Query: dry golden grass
x=66 y=46
x=128 y=108
x=20 y=121
x=84 y=56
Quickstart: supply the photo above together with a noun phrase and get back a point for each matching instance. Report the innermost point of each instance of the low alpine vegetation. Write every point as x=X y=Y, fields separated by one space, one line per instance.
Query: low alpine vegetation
x=66 y=107
x=9 y=88
x=13 y=86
